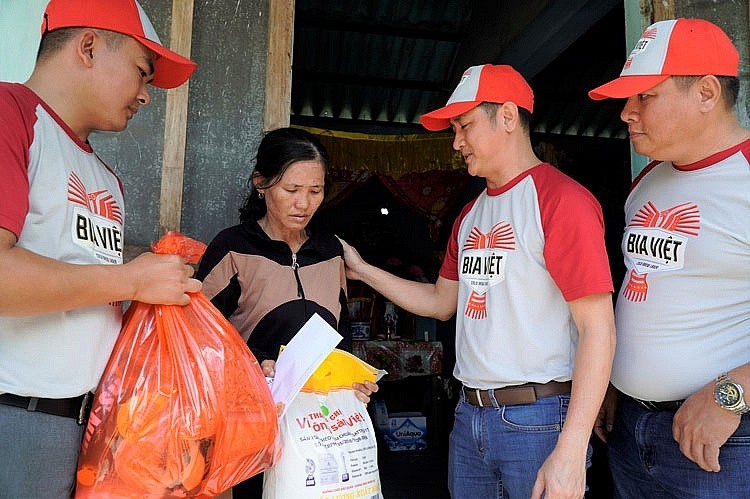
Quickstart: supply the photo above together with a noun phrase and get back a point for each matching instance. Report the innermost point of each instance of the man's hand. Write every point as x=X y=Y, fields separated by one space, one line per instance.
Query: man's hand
x=606 y=417
x=353 y=261
x=436 y=300
x=563 y=475
x=363 y=390
x=161 y=279
x=701 y=427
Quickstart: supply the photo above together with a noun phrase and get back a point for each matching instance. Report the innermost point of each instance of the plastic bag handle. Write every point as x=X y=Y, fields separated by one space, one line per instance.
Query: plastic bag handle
x=175 y=243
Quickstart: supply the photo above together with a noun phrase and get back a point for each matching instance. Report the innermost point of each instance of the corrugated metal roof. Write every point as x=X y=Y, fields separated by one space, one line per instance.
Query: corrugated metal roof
x=373 y=65
x=383 y=61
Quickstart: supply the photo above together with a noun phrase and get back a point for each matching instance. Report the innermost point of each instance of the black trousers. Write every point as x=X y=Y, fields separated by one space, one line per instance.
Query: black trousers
x=252 y=488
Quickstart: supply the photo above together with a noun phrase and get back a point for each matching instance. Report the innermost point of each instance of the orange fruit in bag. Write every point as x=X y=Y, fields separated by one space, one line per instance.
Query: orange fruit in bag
x=143 y=465
x=140 y=414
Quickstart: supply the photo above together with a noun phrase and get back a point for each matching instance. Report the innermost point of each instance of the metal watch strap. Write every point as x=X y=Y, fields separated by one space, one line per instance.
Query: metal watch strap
x=741 y=407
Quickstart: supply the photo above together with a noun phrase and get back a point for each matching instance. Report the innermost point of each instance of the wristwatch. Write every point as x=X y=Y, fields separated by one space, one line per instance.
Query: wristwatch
x=729 y=395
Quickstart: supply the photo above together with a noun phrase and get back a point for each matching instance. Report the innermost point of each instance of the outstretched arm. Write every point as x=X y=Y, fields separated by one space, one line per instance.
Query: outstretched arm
x=33 y=284
x=428 y=300
x=563 y=474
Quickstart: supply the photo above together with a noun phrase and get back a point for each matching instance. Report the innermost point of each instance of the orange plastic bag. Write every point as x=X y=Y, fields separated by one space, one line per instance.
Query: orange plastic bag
x=182 y=409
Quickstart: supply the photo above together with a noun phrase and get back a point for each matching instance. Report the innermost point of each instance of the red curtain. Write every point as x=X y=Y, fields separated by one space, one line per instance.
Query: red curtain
x=422 y=171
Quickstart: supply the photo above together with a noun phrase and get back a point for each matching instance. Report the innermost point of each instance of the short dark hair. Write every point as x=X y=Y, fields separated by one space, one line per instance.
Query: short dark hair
x=53 y=41
x=524 y=116
x=277 y=151
x=730 y=86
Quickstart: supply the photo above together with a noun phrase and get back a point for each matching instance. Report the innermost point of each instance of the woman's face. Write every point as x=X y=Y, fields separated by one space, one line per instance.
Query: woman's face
x=294 y=199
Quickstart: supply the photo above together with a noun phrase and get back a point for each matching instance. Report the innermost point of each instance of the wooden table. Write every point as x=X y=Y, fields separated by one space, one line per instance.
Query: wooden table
x=402 y=358
x=406 y=359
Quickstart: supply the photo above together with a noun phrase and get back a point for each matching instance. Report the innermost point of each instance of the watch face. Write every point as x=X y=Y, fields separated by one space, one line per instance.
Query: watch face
x=727 y=394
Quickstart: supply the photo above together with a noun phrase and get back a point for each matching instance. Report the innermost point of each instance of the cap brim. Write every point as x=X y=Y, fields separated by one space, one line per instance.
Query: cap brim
x=439 y=119
x=626 y=86
x=170 y=68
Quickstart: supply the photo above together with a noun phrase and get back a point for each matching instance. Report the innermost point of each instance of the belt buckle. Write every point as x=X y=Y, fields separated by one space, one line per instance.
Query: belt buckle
x=83 y=411
x=648 y=405
x=33 y=401
x=479 y=396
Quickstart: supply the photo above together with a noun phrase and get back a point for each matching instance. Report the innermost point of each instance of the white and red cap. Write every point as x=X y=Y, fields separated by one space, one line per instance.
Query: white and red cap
x=677 y=47
x=486 y=83
x=126 y=17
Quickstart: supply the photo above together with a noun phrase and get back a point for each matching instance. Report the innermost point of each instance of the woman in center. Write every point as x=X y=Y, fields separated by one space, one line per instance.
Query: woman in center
x=272 y=272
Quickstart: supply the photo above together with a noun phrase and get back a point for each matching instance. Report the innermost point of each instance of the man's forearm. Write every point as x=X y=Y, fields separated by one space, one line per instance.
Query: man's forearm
x=741 y=374
x=592 y=368
x=34 y=284
x=593 y=364
x=426 y=299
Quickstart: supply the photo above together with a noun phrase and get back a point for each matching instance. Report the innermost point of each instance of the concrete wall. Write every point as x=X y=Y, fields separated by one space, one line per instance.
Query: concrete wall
x=225 y=122
x=734 y=17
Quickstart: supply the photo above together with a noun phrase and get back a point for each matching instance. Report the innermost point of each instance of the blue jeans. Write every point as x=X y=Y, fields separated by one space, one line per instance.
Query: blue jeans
x=646 y=461
x=496 y=452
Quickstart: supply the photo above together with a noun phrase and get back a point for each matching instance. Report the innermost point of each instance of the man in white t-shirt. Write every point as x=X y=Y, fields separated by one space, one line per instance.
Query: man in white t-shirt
x=683 y=314
x=527 y=272
x=61 y=232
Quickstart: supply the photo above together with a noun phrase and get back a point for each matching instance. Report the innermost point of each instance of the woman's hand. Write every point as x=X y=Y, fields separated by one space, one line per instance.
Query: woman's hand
x=363 y=390
x=269 y=368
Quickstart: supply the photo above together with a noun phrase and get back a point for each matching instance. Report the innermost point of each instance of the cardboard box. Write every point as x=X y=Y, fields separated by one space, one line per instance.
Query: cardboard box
x=406 y=431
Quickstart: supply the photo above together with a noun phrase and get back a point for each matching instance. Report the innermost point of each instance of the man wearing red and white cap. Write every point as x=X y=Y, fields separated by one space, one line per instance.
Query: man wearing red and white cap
x=527 y=272
x=61 y=232
x=683 y=313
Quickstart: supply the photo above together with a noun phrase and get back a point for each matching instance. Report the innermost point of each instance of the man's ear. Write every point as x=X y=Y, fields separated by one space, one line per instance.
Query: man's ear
x=85 y=43
x=508 y=116
x=709 y=89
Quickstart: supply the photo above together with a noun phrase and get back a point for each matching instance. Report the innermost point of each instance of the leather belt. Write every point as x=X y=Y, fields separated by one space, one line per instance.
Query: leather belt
x=77 y=408
x=667 y=405
x=515 y=395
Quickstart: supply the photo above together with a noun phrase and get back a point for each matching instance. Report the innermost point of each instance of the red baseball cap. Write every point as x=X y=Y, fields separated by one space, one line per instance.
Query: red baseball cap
x=126 y=17
x=486 y=83
x=676 y=47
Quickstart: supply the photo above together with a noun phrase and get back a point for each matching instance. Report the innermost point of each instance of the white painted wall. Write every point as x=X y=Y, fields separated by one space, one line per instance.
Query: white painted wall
x=635 y=24
x=19 y=37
